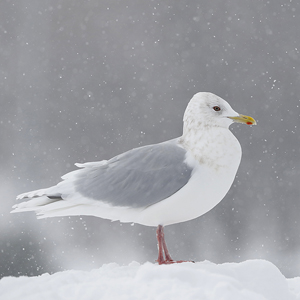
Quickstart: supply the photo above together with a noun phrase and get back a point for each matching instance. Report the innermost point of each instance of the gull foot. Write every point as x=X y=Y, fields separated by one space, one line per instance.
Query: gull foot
x=171 y=261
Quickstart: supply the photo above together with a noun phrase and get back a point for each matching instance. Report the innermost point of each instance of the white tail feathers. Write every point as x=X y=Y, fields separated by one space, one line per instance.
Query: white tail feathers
x=32 y=194
x=34 y=204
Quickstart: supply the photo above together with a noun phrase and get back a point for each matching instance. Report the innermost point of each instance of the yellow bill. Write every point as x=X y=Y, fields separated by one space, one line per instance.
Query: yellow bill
x=243 y=119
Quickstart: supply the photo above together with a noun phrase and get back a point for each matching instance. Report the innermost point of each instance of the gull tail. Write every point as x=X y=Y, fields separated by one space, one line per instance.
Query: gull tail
x=37 y=200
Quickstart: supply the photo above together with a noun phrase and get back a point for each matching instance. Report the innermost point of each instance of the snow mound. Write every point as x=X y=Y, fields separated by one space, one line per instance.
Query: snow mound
x=249 y=280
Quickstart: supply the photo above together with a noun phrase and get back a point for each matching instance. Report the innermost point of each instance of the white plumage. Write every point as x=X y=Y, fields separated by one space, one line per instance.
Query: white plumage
x=155 y=185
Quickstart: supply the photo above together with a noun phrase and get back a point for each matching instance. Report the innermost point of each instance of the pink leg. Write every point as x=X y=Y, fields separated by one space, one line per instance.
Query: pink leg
x=167 y=254
x=159 y=235
x=162 y=248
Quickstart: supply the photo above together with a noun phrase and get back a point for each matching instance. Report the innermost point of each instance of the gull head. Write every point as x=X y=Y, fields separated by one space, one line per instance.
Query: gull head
x=206 y=109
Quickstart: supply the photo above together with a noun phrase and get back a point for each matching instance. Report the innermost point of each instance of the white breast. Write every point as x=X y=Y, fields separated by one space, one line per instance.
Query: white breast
x=210 y=181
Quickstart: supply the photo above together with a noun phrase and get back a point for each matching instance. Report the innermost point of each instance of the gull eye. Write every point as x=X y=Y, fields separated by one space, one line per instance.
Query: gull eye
x=216 y=108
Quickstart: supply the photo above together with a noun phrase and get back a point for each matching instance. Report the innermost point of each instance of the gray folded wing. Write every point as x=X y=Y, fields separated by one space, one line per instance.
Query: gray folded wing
x=137 y=178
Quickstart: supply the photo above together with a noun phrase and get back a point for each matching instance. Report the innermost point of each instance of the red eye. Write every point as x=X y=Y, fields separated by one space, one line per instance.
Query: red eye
x=216 y=108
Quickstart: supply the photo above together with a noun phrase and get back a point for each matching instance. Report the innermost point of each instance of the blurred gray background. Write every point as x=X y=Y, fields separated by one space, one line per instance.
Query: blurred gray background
x=86 y=80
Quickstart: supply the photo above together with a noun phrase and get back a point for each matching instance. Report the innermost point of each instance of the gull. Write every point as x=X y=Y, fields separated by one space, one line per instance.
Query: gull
x=156 y=185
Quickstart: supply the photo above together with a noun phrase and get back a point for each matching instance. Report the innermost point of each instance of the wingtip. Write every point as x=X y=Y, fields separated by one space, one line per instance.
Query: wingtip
x=14 y=208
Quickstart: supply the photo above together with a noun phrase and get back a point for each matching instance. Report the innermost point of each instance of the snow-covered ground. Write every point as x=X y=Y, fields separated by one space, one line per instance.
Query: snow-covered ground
x=249 y=280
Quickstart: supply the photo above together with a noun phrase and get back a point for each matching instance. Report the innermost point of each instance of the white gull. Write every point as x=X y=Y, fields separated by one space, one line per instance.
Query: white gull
x=155 y=185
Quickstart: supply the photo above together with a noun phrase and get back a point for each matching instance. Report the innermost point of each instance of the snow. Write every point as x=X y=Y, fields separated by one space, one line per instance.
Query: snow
x=249 y=280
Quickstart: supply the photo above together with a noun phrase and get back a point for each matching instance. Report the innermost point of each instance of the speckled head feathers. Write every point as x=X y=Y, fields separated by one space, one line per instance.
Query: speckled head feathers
x=207 y=109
